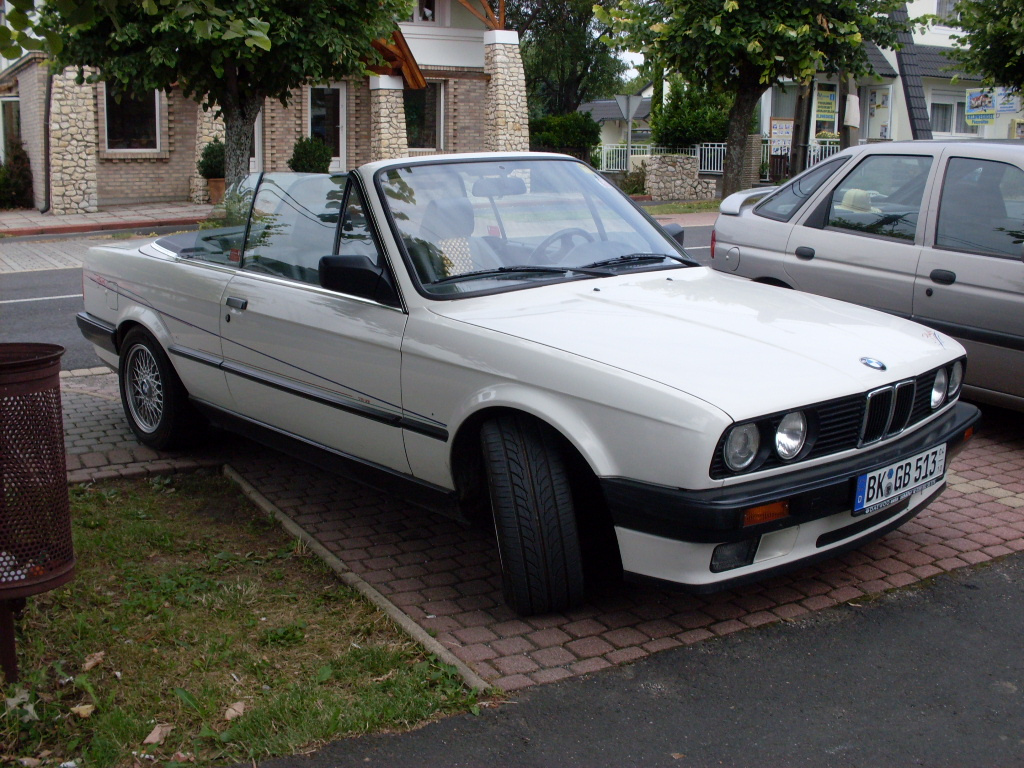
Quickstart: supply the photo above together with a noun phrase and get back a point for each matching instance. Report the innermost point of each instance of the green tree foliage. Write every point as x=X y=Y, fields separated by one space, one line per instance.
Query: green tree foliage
x=307 y=42
x=576 y=130
x=23 y=28
x=564 y=60
x=992 y=43
x=692 y=115
x=744 y=48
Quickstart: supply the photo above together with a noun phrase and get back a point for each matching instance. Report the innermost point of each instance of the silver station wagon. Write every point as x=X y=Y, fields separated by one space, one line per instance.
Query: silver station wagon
x=928 y=230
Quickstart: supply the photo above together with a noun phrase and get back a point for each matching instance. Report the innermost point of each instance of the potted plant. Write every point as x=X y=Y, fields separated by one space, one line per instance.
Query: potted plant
x=211 y=168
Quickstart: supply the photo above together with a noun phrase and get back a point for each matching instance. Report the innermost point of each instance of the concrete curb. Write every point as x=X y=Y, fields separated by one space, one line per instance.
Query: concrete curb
x=410 y=627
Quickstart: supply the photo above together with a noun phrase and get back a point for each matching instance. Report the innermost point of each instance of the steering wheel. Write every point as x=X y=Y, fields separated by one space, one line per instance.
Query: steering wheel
x=564 y=236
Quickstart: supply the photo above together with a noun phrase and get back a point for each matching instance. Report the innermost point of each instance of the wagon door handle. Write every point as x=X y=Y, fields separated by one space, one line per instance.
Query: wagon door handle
x=803 y=252
x=236 y=303
x=943 y=276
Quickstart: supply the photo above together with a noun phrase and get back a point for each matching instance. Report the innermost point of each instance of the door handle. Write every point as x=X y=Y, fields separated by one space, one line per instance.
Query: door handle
x=805 y=253
x=236 y=303
x=943 y=276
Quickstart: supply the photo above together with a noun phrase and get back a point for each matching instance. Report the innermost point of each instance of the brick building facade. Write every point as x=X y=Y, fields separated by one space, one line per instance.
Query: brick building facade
x=86 y=155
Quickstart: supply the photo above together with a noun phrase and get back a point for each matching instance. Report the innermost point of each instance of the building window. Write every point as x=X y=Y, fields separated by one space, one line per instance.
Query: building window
x=946 y=10
x=424 y=12
x=325 y=117
x=949 y=117
x=132 y=123
x=424 y=117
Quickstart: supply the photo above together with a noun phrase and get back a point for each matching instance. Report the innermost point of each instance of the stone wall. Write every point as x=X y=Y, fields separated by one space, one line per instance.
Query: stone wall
x=207 y=129
x=73 y=146
x=675 y=177
x=506 y=118
x=387 y=119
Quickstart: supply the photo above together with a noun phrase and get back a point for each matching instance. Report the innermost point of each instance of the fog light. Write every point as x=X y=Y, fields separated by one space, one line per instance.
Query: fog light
x=734 y=554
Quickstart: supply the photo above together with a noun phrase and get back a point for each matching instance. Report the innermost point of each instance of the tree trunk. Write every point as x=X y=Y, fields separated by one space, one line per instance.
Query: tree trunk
x=801 y=128
x=740 y=116
x=238 y=129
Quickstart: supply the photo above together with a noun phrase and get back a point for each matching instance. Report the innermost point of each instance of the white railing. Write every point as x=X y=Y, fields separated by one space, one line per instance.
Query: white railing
x=710 y=156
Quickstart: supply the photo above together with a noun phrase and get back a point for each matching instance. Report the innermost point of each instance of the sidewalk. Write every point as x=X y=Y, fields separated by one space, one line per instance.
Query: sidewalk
x=444 y=575
x=20 y=223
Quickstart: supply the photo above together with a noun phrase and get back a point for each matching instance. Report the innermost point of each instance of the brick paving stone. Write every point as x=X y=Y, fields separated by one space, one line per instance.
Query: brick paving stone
x=926 y=571
x=626 y=655
x=758 y=618
x=584 y=628
x=508 y=646
x=546 y=638
x=587 y=666
x=727 y=627
x=661 y=644
x=553 y=657
x=694 y=636
x=901 y=579
x=818 y=602
x=514 y=682
x=625 y=636
x=515 y=665
x=549 y=675
x=588 y=647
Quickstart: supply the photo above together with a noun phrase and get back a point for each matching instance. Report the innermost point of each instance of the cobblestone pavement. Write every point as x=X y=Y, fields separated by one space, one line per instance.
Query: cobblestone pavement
x=444 y=574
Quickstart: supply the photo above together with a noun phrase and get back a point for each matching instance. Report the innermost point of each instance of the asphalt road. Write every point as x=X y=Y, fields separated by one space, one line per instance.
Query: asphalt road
x=925 y=676
x=40 y=306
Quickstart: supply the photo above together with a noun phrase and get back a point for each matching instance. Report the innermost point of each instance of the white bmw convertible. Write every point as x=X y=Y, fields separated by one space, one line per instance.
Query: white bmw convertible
x=513 y=340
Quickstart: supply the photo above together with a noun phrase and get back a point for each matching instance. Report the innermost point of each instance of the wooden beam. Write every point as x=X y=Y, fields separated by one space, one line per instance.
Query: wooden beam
x=487 y=18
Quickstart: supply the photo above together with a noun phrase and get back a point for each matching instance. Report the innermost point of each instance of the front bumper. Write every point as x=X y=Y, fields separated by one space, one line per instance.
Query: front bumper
x=670 y=534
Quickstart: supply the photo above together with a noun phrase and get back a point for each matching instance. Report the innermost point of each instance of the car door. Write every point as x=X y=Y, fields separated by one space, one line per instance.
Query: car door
x=860 y=243
x=189 y=292
x=313 y=363
x=970 y=281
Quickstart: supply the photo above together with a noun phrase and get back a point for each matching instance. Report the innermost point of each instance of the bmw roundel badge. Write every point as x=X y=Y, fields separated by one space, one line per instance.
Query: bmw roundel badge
x=870 y=362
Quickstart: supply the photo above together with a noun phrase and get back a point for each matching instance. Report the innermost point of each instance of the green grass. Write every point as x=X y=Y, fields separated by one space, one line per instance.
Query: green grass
x=197 y=602
x=698 y=206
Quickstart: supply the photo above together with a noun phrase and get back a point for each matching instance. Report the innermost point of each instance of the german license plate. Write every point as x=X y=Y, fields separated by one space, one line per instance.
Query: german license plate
x=896 y=482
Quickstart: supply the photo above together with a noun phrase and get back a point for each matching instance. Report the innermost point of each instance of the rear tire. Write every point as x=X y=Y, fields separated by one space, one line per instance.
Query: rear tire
x=155 y=401
x=541 y=566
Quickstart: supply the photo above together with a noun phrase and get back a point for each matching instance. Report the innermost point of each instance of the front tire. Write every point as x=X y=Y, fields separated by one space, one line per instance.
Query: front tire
x=538 y=543
x=155 y=401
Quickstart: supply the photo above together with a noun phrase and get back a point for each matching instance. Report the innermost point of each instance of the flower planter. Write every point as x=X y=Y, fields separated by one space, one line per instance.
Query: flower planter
x=215 y=188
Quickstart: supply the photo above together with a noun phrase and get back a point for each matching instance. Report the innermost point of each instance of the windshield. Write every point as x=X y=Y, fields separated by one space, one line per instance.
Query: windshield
x=486 y=225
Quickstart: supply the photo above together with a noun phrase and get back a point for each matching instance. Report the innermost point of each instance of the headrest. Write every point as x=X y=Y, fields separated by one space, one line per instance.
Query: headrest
x=448 y=217
x=858 y=200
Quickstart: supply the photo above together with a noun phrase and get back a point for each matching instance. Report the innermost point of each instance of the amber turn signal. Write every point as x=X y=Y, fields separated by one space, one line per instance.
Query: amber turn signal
x=766 y=513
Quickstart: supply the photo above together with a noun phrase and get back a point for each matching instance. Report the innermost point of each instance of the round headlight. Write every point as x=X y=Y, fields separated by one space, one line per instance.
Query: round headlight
x=956 y=379
x=741 y=446
x=790 y=436
x=939 y=388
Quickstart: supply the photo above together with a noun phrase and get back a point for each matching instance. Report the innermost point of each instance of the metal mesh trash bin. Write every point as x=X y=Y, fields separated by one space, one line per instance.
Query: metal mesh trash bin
x=36 y=553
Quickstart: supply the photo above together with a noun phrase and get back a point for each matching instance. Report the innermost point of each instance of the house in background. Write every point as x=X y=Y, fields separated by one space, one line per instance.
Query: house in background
x=606 y=113
x=913 y=95
x=453 y=82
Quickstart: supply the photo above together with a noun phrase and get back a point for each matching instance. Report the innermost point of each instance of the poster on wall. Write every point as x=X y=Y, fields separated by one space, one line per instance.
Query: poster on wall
x=1007 y=101
x=981 y=106
x=781 y=135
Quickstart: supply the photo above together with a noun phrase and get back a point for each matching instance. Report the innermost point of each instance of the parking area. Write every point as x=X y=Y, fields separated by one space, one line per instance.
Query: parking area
x=444 y=575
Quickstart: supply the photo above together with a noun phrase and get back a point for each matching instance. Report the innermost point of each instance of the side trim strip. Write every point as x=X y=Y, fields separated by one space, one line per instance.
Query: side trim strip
x=97 y=331
x=314 y=394
x=971 y=333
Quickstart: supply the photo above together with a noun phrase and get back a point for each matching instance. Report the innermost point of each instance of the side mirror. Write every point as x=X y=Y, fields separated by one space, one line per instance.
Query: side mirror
x=356 y=275
x=676 y=232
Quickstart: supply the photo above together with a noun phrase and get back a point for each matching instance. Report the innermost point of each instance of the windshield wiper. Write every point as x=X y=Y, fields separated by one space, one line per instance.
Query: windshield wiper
x=522 y=268
x=634 y=258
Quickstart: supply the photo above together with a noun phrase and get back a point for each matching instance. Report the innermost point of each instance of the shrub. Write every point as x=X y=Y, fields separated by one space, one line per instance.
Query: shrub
x=16 y=179
x=577 y=130
x=635 y=182
x=211 y=161
x=691 y=116
x=311 y=155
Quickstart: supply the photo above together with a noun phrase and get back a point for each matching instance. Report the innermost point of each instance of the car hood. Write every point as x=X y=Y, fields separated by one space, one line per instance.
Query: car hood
x=747 y=348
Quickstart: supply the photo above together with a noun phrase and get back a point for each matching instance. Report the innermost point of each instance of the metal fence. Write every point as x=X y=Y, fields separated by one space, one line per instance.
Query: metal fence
x=710 y=156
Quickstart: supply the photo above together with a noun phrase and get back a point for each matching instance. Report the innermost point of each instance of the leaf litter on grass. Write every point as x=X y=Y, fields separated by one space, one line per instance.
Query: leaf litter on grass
x=196 y=631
